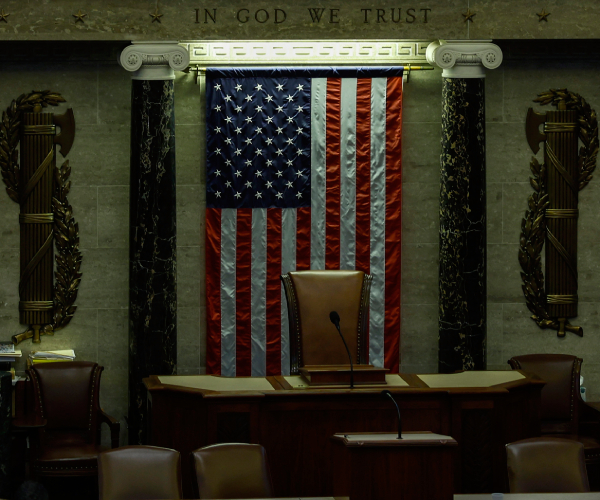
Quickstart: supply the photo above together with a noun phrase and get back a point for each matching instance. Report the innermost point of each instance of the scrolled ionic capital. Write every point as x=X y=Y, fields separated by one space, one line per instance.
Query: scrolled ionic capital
x=154 y=60
x=464 y=58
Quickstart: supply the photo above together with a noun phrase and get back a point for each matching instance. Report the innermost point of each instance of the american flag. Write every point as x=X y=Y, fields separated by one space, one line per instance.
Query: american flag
x=303 y=172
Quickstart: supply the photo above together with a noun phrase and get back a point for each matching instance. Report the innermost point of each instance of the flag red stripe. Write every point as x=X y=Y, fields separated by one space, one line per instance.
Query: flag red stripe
x=213 y=291
x=363 y=174
x=393 y=225
x=273 y=333
x=303 y=238
x=243 y=296
x=332 y=173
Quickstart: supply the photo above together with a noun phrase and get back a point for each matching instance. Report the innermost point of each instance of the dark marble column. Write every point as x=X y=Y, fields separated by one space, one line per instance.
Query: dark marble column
x=462 y=266
x=152 y=224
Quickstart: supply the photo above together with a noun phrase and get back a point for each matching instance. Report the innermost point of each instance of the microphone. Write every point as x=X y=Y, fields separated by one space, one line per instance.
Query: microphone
x=335 y=319
x=389 y=394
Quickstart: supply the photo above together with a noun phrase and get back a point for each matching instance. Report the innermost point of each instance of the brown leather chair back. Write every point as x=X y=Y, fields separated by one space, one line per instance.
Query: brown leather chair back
x=232 y=470
x=558 y=399
x=138 y=473
x=67 y=396
x=546 y=465
x=311 y=296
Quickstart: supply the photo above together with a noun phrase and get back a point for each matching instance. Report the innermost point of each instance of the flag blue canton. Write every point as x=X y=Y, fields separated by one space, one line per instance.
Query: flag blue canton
x=258 y=143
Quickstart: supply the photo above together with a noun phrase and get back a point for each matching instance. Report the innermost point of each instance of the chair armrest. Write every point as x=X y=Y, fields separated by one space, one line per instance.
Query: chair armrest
x=28 y=422
x=113 y=424
x=589 y=419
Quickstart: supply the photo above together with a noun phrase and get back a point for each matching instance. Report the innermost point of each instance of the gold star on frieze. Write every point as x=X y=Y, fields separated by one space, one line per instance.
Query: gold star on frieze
x=469 y=16
x=543 y=16
x=79 y=16
x=3 y=16
x=156 y=16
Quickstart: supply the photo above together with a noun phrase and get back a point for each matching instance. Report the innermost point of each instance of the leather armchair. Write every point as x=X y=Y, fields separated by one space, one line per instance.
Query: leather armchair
x=139 y=473
x=232 y=470
x=67 y=419
x=563 y=413
x=311 y=296
x=546 y=465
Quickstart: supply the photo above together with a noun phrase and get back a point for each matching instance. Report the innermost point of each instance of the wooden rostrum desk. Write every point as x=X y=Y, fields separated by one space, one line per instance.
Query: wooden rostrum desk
x=481 y=410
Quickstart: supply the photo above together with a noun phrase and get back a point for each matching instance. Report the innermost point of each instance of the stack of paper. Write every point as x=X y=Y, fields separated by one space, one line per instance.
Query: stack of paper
x=8 y=353
x=51 y=356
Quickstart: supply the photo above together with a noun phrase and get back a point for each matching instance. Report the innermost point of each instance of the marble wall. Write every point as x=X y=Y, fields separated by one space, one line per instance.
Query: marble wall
x=99 y=91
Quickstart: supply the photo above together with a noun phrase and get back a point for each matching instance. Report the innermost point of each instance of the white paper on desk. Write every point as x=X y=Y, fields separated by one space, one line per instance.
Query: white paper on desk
x=216 y=383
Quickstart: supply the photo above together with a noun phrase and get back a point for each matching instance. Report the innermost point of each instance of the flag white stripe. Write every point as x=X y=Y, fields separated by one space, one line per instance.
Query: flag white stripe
x=258 y=293
x=378 y=206
x=228 y=291
x=318 y=107
x=348 y=174
x=288 y=263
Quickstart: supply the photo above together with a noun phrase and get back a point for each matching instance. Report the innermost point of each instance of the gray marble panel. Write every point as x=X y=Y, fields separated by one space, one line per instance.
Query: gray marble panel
x=508 y=154
x=494 y=212
x=420 y=368
x=9 y=278
x=114 y=94
x=77 y=83
x=188 y=340
x=523 y=336
x=524 y=80
x=515 y=196
x=190 y=215
x=494 y=96
x=188 y=108
x=420 y=212
x=495 y=352
x=420 y=273
x=422 y=97
x=105 y=281
x=100 y=156
x=588 y=273
x=421 y=149
x=113 y=217
x=9 y=222
x=503 y=278
x=203 y=336
x=113 y=400
x=419 y=334
x=190 y=167
x=84 y=201
x=113 y=338
x=188 y=276
x=589 y=213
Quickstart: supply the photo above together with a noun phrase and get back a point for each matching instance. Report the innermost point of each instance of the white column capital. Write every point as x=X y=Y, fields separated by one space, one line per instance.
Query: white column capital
x=464 y=58
x=154 y=60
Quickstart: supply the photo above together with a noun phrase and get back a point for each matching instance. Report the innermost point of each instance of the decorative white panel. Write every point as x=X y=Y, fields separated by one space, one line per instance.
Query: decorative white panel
x=307 y=52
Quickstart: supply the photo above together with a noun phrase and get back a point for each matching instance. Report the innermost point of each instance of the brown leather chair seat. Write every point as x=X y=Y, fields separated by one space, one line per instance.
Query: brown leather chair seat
x=139 y=473
x=563 y=413
x=546 y=465
x=232 y=470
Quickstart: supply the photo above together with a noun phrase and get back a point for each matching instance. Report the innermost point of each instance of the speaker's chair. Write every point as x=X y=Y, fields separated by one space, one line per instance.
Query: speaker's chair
x=311 y=296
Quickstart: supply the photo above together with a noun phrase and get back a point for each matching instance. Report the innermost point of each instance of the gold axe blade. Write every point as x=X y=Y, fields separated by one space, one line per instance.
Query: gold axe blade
x=66 y=137
x=532 y=129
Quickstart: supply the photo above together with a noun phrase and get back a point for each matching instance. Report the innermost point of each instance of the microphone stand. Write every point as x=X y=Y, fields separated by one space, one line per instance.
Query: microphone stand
x=389 y=394
x=335 y=319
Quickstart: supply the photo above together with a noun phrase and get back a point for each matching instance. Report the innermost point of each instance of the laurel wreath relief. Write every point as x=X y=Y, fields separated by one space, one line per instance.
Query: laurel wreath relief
x=65 y=229
x=533 y=226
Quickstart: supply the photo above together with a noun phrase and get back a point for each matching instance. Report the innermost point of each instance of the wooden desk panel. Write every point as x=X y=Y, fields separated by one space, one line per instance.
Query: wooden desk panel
x=295 y=425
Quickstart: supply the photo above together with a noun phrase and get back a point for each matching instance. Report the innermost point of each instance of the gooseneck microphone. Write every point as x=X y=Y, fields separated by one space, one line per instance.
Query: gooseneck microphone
x=335 y=319
x=389 y=394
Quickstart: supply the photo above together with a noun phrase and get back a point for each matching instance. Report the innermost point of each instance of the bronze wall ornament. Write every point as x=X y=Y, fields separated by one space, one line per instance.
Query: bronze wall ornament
x=543 y=16
x=79 y=17
x=3 y=16
x=46 y=217
x=551 y=217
